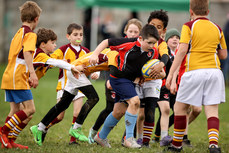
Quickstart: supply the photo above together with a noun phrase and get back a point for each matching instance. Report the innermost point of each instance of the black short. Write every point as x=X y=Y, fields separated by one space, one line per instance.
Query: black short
x=165 y=95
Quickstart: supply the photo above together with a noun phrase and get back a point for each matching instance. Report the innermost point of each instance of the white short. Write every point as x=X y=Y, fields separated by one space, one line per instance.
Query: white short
x=150 y=88
x=73 y=84
x=202 y=87
x=60 y=93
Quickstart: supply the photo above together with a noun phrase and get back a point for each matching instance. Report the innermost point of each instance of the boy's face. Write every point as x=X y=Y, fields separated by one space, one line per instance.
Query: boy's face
x=147 y=44
x=76 y=37
x=159 y=25
x=173 y=42
x=132 y=31
x=50 y=46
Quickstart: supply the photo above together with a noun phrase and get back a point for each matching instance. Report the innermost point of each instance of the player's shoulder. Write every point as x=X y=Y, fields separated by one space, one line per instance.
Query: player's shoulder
x=65 y=47
x=85 y=49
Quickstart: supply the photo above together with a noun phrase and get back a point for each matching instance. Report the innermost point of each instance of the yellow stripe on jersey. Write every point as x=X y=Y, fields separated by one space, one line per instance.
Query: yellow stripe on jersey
x=204 y=38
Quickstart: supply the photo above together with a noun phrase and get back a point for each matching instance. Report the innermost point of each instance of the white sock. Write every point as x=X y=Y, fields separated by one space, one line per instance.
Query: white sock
x=213 y=145
x=41 y=127
x=139 y=135
x=164 y=134
x=76 y=125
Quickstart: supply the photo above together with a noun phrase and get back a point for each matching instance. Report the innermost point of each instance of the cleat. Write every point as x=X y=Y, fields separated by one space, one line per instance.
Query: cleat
x=15 y=145
x=166 y=141
x=37 y=134
x=214 y=149
x=172 y=148
x=78 y=134
x=155 y=140
x=4 y=140
x=131 y=143
x=73 y=143
x=122 y=141
x=91 y=135
x=145 y=144
x=101 y=142
x=186 y=143
x=139 y=141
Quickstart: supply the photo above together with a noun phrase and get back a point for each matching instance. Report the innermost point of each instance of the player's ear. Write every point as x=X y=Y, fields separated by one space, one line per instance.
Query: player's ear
x=36 y=19
x=42 y=44
x=67 y=36
x=191 y=12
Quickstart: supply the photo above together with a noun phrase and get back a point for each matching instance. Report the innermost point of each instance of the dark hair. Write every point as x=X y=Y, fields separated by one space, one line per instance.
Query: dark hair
x=73 y=26
x=161 y=15
x=44 y=35
x=199 y=7
x=149 y=31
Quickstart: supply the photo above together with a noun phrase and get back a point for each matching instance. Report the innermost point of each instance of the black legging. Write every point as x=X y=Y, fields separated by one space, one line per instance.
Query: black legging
x=110 y=100
x=66 y=100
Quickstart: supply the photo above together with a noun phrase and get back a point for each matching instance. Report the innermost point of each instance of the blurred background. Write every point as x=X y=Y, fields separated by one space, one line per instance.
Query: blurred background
x=101 y=18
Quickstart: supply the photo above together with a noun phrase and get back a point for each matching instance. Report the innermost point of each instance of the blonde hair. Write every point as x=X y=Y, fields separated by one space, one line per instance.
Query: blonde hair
x=134 y=21
x=29 y=11
x=199 y=7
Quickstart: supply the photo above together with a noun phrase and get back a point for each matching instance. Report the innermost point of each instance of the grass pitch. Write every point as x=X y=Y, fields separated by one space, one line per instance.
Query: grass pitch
x=57 y=138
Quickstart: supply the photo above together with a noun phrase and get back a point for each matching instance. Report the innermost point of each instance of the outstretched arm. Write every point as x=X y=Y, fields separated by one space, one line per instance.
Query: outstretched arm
x=94 y=57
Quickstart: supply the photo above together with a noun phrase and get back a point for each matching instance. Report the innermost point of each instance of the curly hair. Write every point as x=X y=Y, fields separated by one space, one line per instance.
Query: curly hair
x=161 y=15
x=44 y=35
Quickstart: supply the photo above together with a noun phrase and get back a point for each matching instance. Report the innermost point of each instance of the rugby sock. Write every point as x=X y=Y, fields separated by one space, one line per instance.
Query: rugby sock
x=139 y=135
x=76 y=125
x=185 y=137
x=42 y=127
x=147 y=132
x=7 y=119
x=72 y=139
x=213 y=130
x=16 y=119
x=55 y=121
x=179 y=129
x=16 y=131
x=109 y=124
x=164 y=134
x=130 y=121
x=156 y=137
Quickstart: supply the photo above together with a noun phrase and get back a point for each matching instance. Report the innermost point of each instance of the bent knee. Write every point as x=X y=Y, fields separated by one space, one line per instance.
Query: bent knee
x=197 y=111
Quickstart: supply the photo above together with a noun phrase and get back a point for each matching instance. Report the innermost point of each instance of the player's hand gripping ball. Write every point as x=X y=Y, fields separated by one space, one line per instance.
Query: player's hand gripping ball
x=146 y=67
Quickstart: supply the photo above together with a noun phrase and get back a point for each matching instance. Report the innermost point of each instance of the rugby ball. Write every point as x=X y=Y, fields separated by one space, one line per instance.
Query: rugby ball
x=146 y=67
